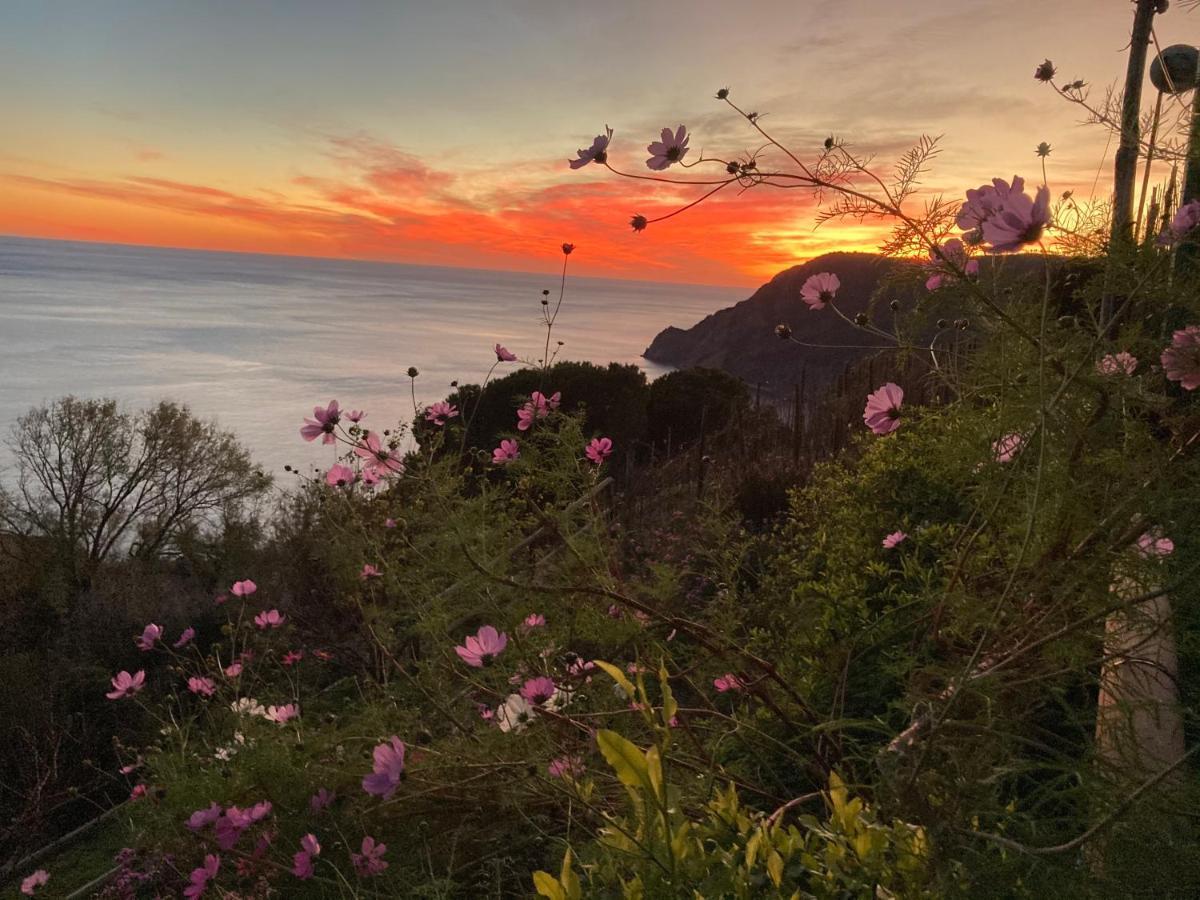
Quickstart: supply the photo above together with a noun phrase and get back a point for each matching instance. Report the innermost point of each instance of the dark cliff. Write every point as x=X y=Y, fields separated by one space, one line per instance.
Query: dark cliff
x=741 y=339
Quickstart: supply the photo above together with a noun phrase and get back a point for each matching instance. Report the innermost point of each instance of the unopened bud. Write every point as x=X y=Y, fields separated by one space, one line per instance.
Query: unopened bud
x=412 y=372
x=942 y=323
x=895 y=305
x=861 y=319
x=783 y=332
x=723 y=93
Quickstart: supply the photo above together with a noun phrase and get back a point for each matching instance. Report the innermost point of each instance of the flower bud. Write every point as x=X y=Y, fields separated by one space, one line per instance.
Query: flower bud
x=942 y=323
x=638 y=223
x=829 y=142
x=732 y=167
x=861 y=319
x=412 y=372
x=783 y=332
x=895 y=305
x=723 y=93
x=567 y=248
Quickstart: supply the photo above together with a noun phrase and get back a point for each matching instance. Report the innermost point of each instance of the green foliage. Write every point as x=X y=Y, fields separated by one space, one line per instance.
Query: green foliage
x=684 y=401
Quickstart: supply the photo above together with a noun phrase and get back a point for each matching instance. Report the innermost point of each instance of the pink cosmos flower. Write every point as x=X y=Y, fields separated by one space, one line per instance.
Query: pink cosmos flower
x=389 y=766
x=538 y=690
x=668 y=150
x=221 y=599
x=205 y=687
x=139 y=791
x=567 y=768
x=599 y=449
x=136 y=764
x=292 y=657
x=126 y=685
x=326 y=420
x=728 y=682
x=1186 y=220
x=302 y=866
x=983 y=202
x=479 y=649
x=201 y=876
x=532 y=621
x=233 y=670
x=1152 y=544
x=151 y=635
x=340 y=476
x=370 y=861
x=389 y=523
x=506 y=452
x=485 y=712
x=579 y=668
x=893 y=539
x=356 y=415
x=955 y=252
x=1117 y=364
x=1019 y=220
x=243 y=588
x=369 y=571
x=1181 y=361
x=321 y=800
x=538 y=407
x=185 y=637
x=882 y=412
x=503 y=354
x=820 y=289
x=597 y=153
x=269 y=619
x=234 y=821
x=370 y=477
x=202 y=818
x=440 y=413
x=31 y=883
x=1005 y=448
x=281 y=715
x=376 y=456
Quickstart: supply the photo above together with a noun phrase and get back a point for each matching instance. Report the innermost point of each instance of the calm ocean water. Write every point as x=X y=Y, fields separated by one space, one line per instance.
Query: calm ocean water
x=256 y=341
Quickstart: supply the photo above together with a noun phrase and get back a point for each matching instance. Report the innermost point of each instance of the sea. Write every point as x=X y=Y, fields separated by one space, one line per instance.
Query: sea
x=256 y=341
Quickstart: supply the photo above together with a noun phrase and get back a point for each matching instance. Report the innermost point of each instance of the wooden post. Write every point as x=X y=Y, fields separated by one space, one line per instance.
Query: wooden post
x=1125 y=163
x=1137 y=225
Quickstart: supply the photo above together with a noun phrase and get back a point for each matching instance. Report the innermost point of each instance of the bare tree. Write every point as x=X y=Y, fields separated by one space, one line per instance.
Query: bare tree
x=96 y=480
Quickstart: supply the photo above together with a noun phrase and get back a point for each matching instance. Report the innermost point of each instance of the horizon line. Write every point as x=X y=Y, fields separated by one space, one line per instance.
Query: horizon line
x=374 y=261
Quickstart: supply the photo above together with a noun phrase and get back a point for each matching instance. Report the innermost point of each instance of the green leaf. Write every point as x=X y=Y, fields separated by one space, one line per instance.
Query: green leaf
x=547 y=886
x=654 y=773
x=569 y=880
x=775 y=867
x=669 y=706
x=625 y=758
x=618 y=676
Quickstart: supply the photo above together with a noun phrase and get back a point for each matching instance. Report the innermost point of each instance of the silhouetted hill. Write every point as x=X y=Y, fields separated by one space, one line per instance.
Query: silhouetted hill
x=741 y=339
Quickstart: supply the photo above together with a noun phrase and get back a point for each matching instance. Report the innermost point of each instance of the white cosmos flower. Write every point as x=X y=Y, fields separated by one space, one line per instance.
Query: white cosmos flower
x=248 y=706
x=515 y=713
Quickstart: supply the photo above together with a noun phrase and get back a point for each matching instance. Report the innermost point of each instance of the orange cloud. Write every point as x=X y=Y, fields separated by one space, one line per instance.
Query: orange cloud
x=382 y=203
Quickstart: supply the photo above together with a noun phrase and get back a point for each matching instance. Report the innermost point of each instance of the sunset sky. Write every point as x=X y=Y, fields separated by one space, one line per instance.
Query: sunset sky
x=439 y=133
